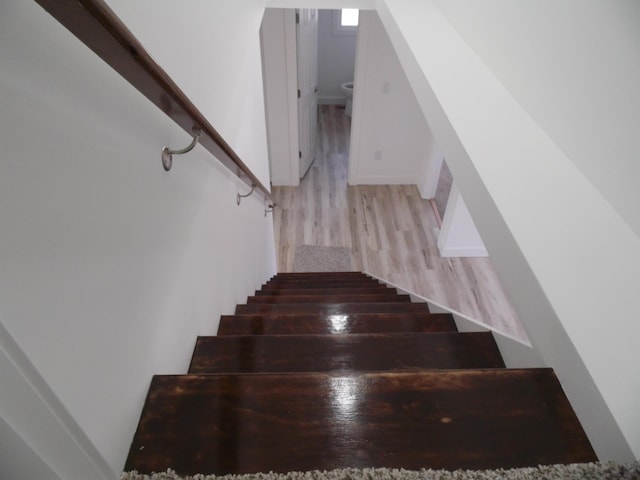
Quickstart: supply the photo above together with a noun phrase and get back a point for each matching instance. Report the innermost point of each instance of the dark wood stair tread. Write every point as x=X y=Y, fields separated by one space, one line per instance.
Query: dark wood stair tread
x=322 y=275
x=334 y=308
x=291 y=323
x=247 y=423
x=355 y=352
x=323 y=292
x=317 y=280
x=331 y=298
x=292 y=285
x=320 y=287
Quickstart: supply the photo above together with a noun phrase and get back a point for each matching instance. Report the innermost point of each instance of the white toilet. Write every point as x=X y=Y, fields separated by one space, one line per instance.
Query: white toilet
x=347 y=89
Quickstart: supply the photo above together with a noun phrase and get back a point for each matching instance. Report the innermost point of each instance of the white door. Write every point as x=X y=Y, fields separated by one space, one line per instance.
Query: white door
x=307 y=52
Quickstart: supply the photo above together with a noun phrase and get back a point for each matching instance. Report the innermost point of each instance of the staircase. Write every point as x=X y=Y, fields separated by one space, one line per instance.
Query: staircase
x=332 y=370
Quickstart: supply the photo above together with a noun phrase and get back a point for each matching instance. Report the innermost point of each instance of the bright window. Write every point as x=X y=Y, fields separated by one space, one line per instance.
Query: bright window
x=349 y=17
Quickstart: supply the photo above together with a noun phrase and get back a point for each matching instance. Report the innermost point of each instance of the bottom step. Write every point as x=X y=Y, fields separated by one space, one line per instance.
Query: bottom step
x=475 y=419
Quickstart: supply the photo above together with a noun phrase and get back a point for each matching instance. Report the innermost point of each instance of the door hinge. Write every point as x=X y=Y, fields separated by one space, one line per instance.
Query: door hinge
x=299 y=154
x=298 y=93
x=297 y=17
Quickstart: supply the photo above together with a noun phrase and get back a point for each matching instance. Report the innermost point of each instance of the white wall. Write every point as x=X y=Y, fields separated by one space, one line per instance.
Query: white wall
x=390 y=138
x=278 y=41
x=17 y=459
x=221 y=40
x=336 y=58
x=110 y=267
x=567 y=254
x=459 y=236
x=429 y=181
x=573 y=66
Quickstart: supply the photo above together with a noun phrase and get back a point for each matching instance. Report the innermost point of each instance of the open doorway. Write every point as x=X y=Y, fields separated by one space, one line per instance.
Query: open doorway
x=290 y=87
x=337 y=41
x=326 y=42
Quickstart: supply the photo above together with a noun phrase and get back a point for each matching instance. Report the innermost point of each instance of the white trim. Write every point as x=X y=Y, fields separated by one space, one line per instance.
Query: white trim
x=457 y=216
x=437 y=307
x=36 y=415
x=428 y=187
x=515 y=352
x=292 y=97
x=359 y=85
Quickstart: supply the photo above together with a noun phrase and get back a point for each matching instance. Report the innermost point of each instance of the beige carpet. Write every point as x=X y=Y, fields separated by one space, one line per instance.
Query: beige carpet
x=312 y=258
x=580 y=471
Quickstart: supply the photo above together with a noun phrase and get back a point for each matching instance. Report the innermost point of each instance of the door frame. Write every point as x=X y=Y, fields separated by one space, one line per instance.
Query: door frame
x=288 y=45
x=280 y=79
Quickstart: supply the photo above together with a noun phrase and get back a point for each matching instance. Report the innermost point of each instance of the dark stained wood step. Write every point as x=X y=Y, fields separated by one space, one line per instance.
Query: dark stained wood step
x=354 y=352
x=247 y=423
x=322 y=286
x=334 y=308
x=291 y=323
x=309 y=278
x=324 y=283
x=326 y=291
x=314 y=275
x=331 y=298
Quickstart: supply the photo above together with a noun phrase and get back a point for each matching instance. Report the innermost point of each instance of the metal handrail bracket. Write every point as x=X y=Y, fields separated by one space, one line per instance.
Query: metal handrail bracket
x=167 y=153
x=240 y=197
x=269 y=209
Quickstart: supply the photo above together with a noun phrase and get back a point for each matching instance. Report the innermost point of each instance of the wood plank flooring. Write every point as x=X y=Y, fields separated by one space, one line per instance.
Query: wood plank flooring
x=389 y=229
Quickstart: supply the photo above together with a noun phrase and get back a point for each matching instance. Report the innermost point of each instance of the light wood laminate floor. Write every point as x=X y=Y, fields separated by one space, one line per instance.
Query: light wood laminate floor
x=389 y=229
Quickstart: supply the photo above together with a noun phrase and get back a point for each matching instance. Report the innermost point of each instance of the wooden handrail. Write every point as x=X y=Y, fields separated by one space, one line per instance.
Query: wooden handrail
x=100 y=29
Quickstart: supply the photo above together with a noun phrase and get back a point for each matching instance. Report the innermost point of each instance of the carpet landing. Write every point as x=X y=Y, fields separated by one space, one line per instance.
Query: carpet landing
x=312 y=258
x=578 y=471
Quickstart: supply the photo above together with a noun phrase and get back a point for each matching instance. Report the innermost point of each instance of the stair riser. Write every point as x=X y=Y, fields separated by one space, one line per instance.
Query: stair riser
x=325 y=292
x=333 y=275
x=337 y=298
x=327 y=284
x=327 y=353
x=289 y=324
x=335 y=309
x=323 y=286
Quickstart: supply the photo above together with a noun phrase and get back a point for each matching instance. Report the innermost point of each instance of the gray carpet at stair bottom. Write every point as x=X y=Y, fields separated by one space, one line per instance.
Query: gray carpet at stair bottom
x=312 y=258
x=578 y=471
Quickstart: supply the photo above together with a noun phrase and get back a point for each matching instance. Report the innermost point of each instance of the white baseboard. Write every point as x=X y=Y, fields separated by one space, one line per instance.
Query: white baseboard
x=425 y=193
x=515 y=352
